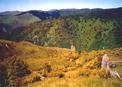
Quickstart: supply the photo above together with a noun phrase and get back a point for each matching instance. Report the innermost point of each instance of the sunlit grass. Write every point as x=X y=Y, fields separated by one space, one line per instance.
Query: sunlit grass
x=79 y=70
x=77 y=82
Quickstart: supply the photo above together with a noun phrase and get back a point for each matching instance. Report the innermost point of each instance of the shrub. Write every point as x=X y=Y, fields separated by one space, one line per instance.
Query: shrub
x=16 y=68
x=33 y=77
x=46 y=69
x=3 y=74
x=103 y=73
x=85 y=72
x=55 y=74
x=72 y=74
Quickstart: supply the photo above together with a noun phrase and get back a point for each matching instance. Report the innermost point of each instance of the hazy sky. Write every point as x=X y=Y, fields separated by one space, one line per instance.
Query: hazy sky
x=23 y=5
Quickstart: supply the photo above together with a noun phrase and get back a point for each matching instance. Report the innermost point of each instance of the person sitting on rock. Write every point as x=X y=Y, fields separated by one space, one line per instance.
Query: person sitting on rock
x=105 y=62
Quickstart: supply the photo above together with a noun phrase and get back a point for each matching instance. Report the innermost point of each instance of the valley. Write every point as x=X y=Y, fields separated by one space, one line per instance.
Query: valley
x=60 y=48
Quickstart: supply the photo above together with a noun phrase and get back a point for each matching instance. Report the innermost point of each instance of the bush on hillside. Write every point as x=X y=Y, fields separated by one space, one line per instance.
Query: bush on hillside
x=16 y=68
x=46 y=69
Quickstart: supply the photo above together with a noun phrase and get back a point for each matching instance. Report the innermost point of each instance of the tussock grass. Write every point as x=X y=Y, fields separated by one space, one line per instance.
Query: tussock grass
x=78 y=82
x=79 y=70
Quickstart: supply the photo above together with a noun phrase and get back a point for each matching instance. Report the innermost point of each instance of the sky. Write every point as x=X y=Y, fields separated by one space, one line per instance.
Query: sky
x=24 y=5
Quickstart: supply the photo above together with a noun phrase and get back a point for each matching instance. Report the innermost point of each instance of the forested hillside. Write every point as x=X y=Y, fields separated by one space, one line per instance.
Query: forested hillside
x=86 y=29
x=84 y=34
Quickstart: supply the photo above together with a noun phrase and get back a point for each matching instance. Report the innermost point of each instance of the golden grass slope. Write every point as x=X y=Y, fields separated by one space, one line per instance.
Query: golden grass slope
x=75 y=69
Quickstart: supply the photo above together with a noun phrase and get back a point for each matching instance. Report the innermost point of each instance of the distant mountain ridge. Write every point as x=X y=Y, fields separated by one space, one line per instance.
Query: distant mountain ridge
x=19 y=18
x=62 y=12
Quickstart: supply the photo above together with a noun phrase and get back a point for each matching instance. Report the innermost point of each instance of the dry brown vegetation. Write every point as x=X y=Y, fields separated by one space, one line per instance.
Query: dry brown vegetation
x=45 y=63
